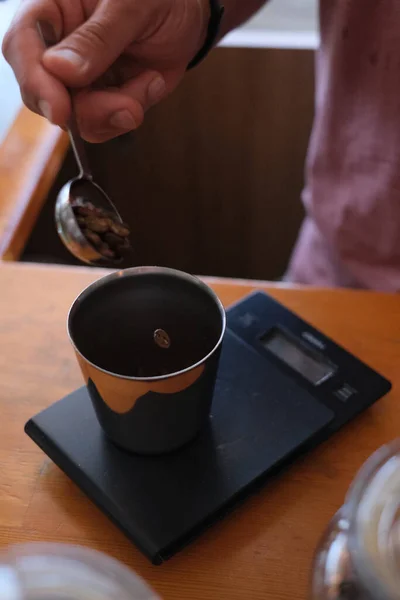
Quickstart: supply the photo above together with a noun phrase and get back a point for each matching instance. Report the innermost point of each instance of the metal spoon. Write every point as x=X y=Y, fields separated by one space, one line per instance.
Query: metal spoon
x=81 y=188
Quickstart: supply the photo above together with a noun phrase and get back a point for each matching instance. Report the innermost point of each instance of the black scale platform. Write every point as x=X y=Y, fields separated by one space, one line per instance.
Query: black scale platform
x=261 y=419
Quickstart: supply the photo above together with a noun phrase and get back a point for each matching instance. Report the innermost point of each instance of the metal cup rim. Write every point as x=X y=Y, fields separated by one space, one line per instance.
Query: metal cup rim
x=135 y=271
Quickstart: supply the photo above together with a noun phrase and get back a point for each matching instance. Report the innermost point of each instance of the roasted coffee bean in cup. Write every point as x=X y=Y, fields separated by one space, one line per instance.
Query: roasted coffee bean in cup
x=100 y=228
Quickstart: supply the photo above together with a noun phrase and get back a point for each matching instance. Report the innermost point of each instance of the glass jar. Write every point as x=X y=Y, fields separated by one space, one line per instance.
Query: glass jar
x=41 y=571
x=359 y=555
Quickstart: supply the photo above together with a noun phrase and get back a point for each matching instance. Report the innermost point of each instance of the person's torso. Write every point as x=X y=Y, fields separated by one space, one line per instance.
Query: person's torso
x=353 y=169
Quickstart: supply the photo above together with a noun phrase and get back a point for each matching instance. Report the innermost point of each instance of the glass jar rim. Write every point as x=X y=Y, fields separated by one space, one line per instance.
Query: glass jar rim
x=60 y=570
x=362 y=560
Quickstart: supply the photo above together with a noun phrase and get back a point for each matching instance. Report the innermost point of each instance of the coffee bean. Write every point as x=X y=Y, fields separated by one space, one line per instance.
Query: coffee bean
x=99 y=212
x=107 y=252
x=109 y=237
x=114 y=241
x=124 y=248
x=120 y=229
x=93 y=238
x=84 y=210
x=98 y=224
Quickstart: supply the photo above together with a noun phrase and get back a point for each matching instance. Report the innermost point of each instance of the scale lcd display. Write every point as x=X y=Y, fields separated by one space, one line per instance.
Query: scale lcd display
x=310 y=364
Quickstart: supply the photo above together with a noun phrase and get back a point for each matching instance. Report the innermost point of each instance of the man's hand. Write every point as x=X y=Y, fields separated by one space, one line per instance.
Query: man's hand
x=119 y=57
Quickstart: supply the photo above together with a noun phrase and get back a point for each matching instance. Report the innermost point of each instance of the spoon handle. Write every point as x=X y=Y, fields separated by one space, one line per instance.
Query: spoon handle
x=78 y=148
x=49 y=39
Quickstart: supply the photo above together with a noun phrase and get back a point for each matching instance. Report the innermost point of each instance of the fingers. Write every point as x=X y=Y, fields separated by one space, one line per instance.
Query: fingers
x=23 y=50
x=81 y=60
x=105 y=114
x=84 y=55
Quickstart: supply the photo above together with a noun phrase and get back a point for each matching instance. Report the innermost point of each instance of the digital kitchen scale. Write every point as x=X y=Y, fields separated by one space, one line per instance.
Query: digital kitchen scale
x=282 y=388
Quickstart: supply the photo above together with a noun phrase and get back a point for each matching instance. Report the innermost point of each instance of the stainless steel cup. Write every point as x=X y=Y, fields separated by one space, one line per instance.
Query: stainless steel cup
x=148 y=341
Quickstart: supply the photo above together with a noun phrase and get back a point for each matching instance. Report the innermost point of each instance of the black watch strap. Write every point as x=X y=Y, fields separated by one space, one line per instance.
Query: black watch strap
x=217 y=12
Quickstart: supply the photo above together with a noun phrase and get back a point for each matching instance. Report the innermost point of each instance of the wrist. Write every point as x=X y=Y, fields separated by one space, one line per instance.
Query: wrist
x=205 y=14
x=214 y=12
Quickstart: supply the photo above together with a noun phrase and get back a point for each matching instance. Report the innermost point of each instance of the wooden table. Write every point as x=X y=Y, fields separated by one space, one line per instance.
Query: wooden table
x=264 y=549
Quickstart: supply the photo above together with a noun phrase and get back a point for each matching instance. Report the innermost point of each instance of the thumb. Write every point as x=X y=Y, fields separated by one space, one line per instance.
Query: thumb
x=88 y=52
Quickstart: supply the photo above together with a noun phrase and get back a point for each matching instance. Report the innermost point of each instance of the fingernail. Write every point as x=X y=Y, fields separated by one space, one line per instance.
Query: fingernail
x=70 y=56
x=156 y=90
x=123 y=120
x=45 y=109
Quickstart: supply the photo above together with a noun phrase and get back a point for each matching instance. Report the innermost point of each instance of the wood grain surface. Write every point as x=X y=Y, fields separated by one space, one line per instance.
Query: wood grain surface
x=30 y=158
x=264 y=549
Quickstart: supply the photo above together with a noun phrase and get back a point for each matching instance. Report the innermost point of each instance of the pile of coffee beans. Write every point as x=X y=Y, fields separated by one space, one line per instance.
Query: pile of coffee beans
x=102 y=230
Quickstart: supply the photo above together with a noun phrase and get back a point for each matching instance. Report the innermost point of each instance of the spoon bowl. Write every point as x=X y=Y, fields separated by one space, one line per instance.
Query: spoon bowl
x=67 y=226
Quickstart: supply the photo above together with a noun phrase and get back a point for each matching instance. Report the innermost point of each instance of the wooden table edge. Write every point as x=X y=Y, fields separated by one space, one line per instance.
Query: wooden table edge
x=242 y=285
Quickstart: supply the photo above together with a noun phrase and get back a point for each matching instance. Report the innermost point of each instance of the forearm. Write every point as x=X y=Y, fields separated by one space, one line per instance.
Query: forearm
x=237 y=12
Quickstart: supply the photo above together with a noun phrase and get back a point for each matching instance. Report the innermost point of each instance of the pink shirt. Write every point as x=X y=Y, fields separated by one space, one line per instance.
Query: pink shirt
x=351 y=235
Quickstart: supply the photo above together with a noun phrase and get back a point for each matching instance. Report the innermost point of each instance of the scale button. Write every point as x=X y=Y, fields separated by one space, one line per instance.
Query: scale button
x=247 y=320
x=345 y=392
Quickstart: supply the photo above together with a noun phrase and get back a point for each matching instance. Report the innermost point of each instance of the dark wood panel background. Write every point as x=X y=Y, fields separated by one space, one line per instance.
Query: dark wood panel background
x=211 y=182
